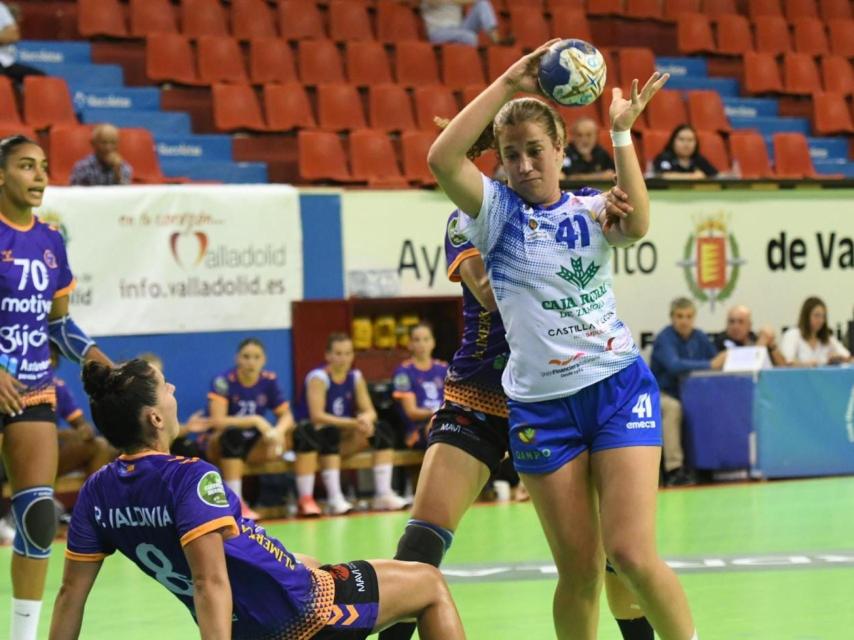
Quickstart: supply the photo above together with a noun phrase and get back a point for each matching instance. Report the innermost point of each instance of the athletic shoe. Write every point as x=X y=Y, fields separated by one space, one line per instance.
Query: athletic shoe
x=338 y=507
x=247 y=512
x=681 y=477
x=389 y=502
x=307 y=507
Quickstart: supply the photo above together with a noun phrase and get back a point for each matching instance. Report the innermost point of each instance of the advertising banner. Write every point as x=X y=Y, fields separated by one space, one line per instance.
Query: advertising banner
x=768 y=250
x=161 y=259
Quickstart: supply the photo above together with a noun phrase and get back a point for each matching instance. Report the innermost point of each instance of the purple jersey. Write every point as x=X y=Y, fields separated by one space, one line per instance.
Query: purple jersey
x=426 y=385
x=33 y=271
x=265 y=395
x=66 y=406
x=340 y=396
x=151 y=505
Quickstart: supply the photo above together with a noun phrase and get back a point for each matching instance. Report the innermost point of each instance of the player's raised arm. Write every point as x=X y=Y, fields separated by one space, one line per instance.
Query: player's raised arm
x=456 y=174
x=77 y=581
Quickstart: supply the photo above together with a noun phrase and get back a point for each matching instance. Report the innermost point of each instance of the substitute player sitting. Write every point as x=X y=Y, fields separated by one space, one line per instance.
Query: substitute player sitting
x=419 y=385
x=177 y=521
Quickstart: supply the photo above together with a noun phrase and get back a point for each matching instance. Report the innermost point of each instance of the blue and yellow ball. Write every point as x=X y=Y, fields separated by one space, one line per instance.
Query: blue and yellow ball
x=572 y=73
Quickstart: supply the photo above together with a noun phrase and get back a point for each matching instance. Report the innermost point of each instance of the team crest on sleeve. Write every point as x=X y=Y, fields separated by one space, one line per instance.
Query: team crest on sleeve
x=401 y=382
x=221 y=385
x=456 y=236
x=50 y=259
x=211 y=490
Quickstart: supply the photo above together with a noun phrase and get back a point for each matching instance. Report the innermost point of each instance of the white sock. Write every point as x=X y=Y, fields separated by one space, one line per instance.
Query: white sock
x=695 y=636
x=25 y=619
x=236 y=486
x=305 y=485
x=332 y=482
x=382 y=479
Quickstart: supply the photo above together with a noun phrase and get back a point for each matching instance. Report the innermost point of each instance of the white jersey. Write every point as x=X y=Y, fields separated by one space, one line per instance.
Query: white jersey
x=550 y=270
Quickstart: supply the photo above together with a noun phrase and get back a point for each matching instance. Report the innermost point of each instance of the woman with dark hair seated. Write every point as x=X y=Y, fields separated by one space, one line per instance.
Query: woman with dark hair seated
x=681 y=159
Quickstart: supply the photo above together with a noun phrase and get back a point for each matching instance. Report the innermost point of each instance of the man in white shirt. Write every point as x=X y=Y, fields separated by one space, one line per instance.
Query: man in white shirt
x=445 y=22
x=9 y=35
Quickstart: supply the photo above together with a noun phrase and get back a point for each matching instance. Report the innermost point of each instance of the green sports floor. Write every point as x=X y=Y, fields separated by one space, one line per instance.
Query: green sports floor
x=770 y=561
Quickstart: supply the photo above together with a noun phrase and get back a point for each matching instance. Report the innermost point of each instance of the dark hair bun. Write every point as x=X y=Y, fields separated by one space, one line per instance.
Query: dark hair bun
x=95 y=376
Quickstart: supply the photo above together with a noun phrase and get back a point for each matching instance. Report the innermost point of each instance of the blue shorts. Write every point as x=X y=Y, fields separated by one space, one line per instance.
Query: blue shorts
x=622 y=410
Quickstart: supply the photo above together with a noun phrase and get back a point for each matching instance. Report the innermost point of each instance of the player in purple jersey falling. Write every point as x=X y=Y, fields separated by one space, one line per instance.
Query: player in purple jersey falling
x=176 y=520
x=35 y=281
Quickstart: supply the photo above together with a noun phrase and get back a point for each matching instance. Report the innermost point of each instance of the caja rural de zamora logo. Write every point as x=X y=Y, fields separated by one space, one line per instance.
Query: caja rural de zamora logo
x=711 y=261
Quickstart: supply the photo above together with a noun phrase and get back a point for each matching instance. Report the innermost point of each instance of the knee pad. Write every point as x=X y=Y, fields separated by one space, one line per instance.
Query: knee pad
x=35 y=522
x=424 y=542
x=305 y=438
x=383 y=437
x=329 y=440
x=232 y=444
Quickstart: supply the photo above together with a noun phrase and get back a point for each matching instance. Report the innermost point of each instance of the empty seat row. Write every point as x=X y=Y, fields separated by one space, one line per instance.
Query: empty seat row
x=769 y=34
x=669 y=9
x=800 y=74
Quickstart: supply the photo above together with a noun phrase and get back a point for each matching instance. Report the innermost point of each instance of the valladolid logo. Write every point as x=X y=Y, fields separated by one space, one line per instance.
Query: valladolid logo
x=711 y=261
x=188 y=248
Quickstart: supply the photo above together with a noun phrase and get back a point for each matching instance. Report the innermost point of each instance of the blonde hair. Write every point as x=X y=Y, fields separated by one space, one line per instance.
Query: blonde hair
x=530 y=110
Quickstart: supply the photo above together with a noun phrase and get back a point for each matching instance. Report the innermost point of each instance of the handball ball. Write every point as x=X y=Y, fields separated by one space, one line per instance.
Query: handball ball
x=572 y=73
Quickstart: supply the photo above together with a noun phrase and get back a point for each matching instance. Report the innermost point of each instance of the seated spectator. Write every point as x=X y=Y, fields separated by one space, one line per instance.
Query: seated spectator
x=585 y=158
x=9 y=35
x=238 y=401
x=105 y=166
x=445 y=22
x=681 y=159
x=345 y=422
x=812 y=343
x=678 y=350
x=419 y=385
x=739 y=333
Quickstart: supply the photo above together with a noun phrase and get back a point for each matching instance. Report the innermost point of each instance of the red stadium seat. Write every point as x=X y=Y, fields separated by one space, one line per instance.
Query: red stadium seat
x=838 y=75
x=792 y=156
x=717 y=8
x=712 y=148
x=529 y=27
x=471 y=92
x=706 y=111
x=203 y=18
x=749 y=151
x=761 y=73
x=68 y=144
x=433 y=101
x=772 y=35
x=251 y=19
x=694 y=34
x=636 y=63
x=300 y=19
x=397 y=22
x=842 y=37
x=235 y=107
x=152 y=16
x=756 y=8
x=734 y=36
x=415 y=145
x=605 y=7
x=339 y=107
x=319 y=62
x=373 y=160
x=571 y=24
x=613 y=76
x=287 y=107
x=271 y=60
x=571 y=115
x=136 y=146
x=367 y=63
x=830 y=114
x=556 y=6
x=415 y=64
x=674 y=8
x=536 y=5
x=835 y=9
x=169 y=58
x=800 y=75
x=47 y=102
x=9 y=116
x=7 y=130
x=461 y=66
x=499 y=59
x=653 y=142
x=795 y=9
x=390 y=108
x=643 y=9
x=101 y=18
x=667 y=111
x=321 y=157
x=349 y=21
x=220 y=60
x=810 y=36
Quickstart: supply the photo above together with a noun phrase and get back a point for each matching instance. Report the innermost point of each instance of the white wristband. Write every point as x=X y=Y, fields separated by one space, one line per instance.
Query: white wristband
x=621 y=138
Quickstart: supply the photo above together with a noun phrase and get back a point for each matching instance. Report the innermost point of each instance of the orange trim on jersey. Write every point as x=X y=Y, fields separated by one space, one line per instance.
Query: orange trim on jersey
x=216 y=396
x=74 y=415
x=402 y=394
x=453 y=268
x=18 y=227
x=84 y=557
x=66 y=290
x=226 y=522
x=142 y=454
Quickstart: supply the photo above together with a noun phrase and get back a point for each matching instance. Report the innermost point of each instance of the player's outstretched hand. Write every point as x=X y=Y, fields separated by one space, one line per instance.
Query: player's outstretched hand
x=198 y=423
x=617 y=208
x=624 y=112
x=522 y=74
x=10 y=394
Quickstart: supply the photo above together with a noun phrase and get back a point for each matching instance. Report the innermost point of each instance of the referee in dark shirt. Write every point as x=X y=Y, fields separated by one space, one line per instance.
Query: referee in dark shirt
x=585 y=158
